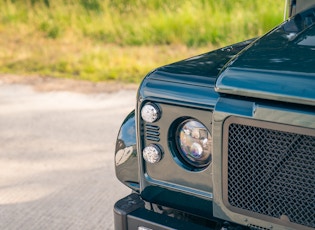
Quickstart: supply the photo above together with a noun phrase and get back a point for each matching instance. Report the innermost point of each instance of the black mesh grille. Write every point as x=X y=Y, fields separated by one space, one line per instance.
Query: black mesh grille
x=272 y=172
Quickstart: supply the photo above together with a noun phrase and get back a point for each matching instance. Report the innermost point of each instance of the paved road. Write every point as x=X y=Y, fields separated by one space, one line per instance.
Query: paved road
x=56 y=158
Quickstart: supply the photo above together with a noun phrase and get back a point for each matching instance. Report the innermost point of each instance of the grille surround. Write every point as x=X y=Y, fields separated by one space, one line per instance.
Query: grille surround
x=268 y=171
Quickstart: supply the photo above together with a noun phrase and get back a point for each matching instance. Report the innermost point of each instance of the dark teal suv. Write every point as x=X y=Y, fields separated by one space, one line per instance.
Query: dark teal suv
x=225 y=140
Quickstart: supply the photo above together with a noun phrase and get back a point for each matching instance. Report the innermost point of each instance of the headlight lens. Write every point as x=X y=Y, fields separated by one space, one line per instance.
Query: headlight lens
x=194 y=143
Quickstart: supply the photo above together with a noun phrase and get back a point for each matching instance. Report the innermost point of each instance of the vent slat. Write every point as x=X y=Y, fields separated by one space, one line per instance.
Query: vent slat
x=152 y=133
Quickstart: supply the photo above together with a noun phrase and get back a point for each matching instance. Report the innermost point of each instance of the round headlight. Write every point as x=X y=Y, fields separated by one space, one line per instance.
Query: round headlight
x=150 y=113
x=152 y=154
x=195 y=143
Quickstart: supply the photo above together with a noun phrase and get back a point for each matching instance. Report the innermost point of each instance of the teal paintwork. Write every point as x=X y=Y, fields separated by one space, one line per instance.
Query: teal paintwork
x=191 y=81
x=279 y=66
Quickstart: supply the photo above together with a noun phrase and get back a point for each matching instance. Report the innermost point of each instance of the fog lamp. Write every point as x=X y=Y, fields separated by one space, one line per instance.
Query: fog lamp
x=152 y=154
x=150 y=112
x=195 y=143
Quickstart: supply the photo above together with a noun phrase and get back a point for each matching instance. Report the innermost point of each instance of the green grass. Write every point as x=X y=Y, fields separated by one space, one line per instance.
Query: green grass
x=121 y=40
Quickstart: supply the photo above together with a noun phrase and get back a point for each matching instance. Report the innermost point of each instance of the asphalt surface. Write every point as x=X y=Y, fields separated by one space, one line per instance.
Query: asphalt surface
x=57 y=158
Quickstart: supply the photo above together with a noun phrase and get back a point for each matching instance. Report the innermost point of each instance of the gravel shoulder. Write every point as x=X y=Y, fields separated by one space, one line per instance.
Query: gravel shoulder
x=57 y=141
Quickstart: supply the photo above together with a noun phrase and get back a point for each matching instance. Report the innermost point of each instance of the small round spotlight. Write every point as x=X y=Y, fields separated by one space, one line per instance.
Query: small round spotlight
x=152 y=154
x=150 y=113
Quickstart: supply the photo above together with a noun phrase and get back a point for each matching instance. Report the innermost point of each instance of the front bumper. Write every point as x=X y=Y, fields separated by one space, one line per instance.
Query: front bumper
x=130 y=213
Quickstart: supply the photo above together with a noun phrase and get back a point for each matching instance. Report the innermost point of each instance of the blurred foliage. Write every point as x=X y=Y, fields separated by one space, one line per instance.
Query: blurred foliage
x=47 y=31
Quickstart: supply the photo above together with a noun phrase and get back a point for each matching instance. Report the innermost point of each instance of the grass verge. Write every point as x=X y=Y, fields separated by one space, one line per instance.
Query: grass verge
x=121 y=40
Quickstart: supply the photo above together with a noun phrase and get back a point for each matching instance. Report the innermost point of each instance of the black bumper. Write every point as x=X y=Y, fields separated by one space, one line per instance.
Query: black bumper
x=130 y=213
